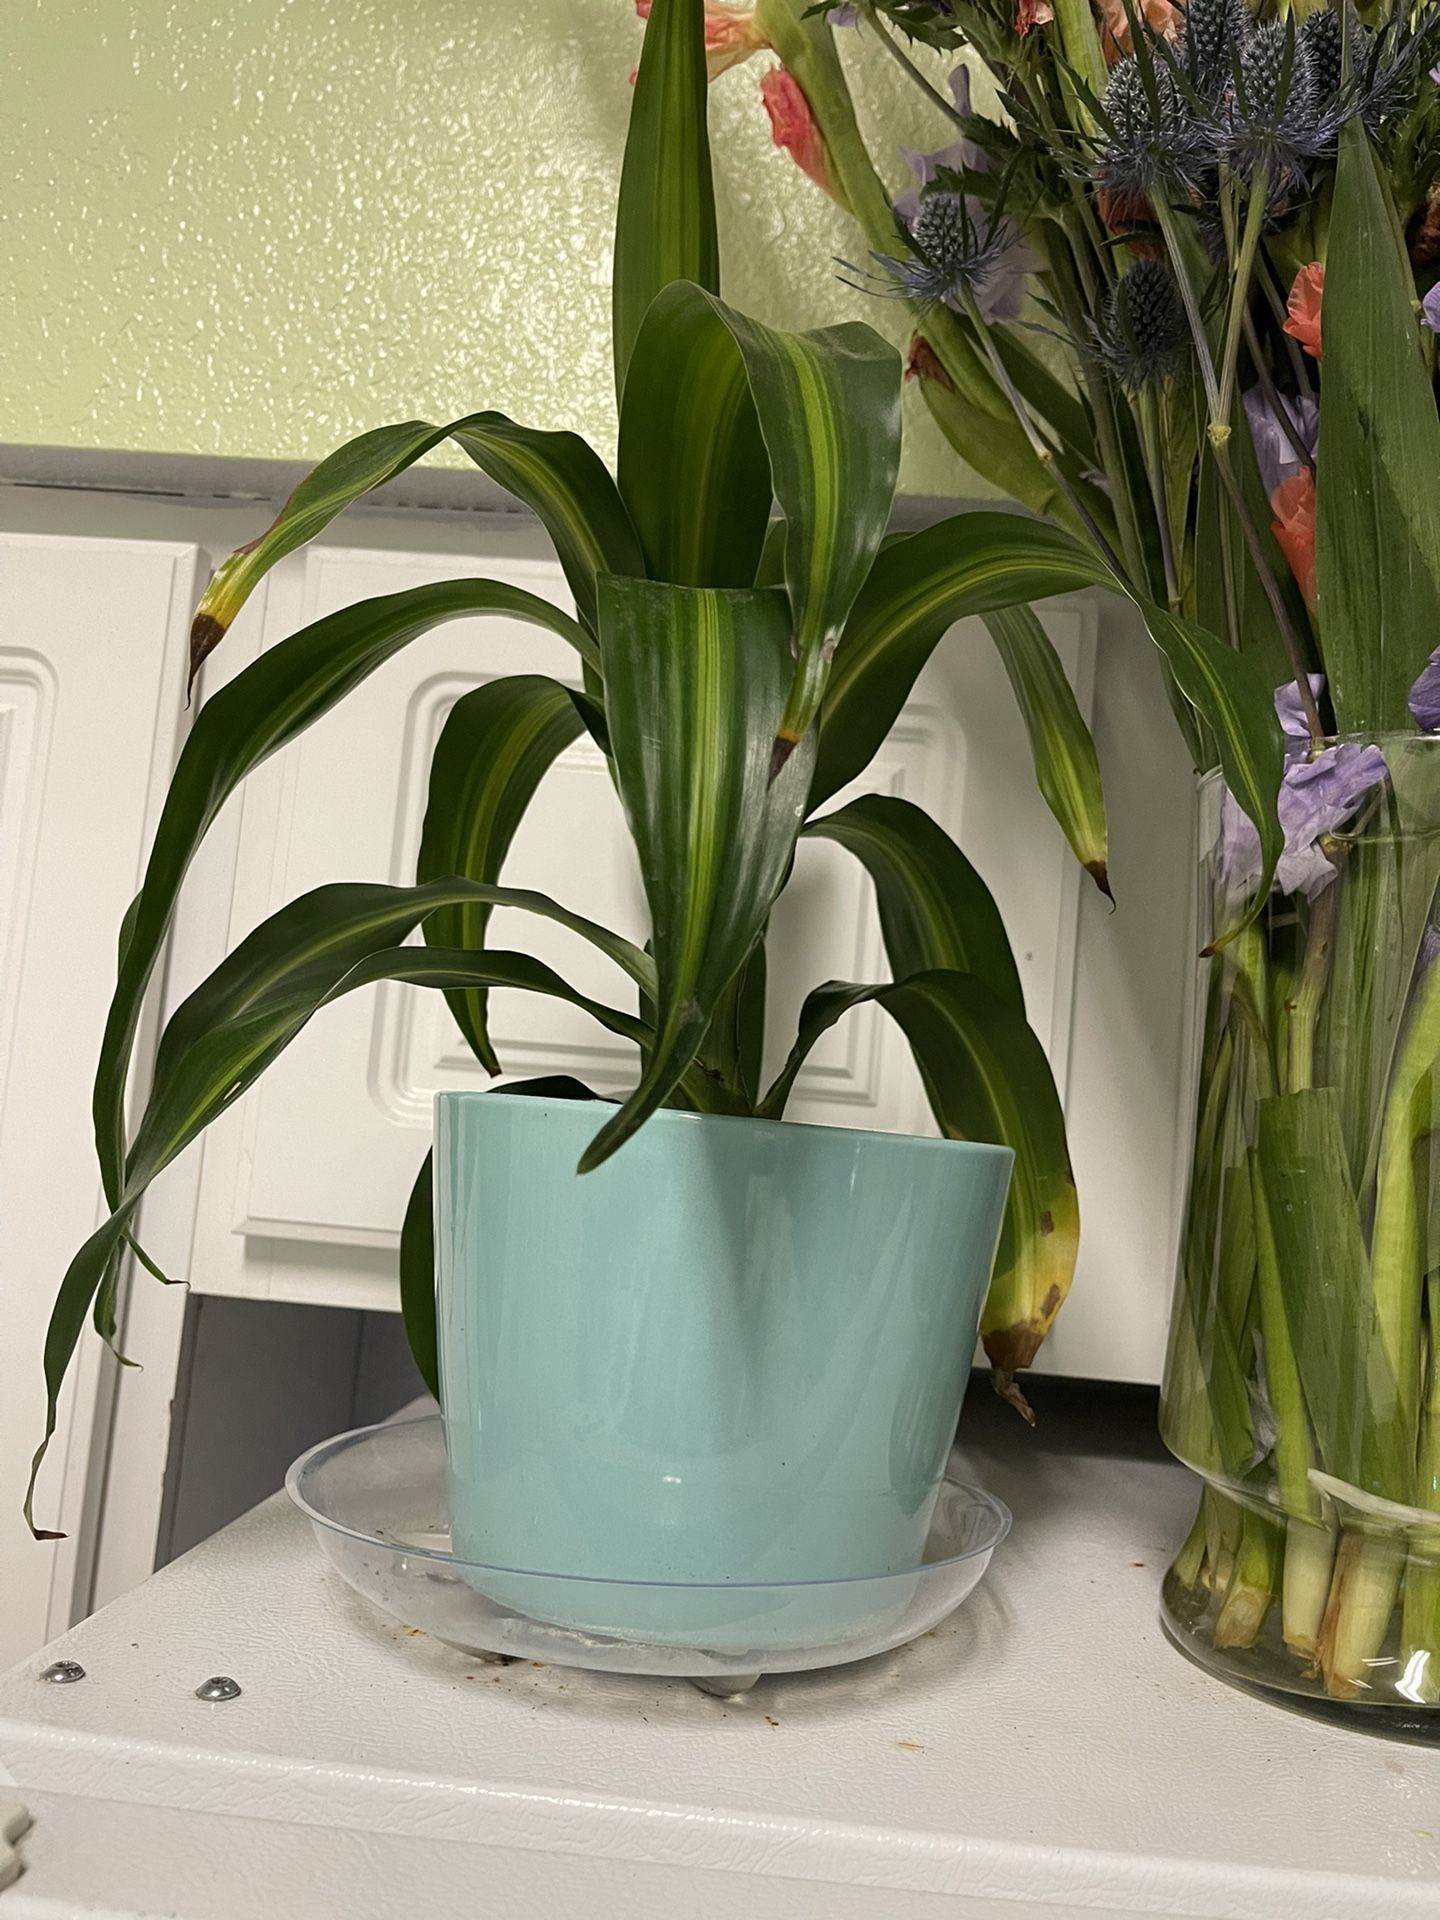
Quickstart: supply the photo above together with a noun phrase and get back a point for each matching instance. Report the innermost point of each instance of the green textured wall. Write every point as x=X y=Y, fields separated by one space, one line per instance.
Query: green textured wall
x=262 y=227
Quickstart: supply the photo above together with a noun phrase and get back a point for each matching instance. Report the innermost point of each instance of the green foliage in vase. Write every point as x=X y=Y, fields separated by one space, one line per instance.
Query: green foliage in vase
x=1180 y=295
x=739 y=626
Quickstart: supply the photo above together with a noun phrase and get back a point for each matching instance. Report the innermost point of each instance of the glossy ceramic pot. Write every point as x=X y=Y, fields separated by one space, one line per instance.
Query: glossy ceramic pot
x=734 y=1352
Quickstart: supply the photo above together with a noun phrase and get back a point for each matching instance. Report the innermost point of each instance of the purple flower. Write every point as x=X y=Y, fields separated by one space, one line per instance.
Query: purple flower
x=1430 y=308
x=1316 y=798
x=962 y=155
x=1293 y=723
x=1274 y=453
x=1424 y=701
x=844 y=16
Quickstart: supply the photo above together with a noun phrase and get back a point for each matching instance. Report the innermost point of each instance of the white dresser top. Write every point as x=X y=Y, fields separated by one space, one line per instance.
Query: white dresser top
x=1043 y=1756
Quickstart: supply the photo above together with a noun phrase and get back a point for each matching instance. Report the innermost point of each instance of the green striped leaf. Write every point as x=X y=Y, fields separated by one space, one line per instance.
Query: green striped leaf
x=829 y=407
x=980 y=563
x=269 y=704
x=665 y=221
x=987 y=1078
x=1067 y=770
x=695 y=682
x=693 y=470
x=496 y=746
x=555 y=474
x=1377 y=516
x=935 y=910
x=417 y=1237
x=241 y=1019
x=826 y=406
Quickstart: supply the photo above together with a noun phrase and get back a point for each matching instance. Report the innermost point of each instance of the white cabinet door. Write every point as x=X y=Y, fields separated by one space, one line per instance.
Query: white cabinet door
x=304 y=1183
x=91 y=701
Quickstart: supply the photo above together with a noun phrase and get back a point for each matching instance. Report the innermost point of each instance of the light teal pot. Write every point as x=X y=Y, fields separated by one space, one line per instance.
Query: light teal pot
x=734 y=1353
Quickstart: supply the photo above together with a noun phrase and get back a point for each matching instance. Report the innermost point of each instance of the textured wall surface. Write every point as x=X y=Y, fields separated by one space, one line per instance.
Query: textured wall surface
x=261 y=227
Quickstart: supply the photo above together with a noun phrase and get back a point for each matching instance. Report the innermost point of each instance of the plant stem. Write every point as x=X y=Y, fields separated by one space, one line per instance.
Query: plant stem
x=1223 y=1526
x=1267 y=581
x=1420 y=1620
x=1420 y=1617
x=1357 y=1619
x=1293 y=1453
x=1039 y=445
x=1081 y=43
x=1277 y=405
x=1254 y=1583
x=1150 y=435
x=1166 y=219
x=1304 y=1008
x=1189 y=1562
x=1102 y=409
x=1240 y=293
x=908 y=67
x=1309 y=1564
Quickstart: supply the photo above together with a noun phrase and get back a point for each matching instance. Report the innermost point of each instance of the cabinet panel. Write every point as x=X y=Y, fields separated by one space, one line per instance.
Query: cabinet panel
x=90 y=708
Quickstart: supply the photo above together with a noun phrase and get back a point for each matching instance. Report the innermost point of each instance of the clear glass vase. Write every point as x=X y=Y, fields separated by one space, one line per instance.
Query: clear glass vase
x=1302 y=1380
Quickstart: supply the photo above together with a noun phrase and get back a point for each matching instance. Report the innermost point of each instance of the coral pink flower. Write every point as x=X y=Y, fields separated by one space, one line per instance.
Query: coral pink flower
x=1161 y=15
x=1293 y=505
x=1303 y=308
x=794 y=128
x=731 y=34
x=1033 y=13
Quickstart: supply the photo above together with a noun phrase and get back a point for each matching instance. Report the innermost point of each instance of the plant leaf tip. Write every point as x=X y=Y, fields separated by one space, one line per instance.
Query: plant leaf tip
x=206 y=633
x=1099 y=872
x=1006 y=1386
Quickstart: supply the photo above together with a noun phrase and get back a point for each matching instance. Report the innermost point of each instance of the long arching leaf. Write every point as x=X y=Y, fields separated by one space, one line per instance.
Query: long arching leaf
x=978 y=563
x=239 y=1020
x=557 y=475
x=665 y=220
x=273 y=700
x=695 y=681
x=496 y=746
x=987 y=1078
x=1067 y=770
x=935 y=910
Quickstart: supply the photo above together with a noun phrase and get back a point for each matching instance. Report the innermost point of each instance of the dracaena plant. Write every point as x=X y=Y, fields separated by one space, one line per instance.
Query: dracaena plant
x=744 y=635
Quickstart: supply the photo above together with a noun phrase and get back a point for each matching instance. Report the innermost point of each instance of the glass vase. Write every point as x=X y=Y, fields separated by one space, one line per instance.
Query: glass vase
x=1302 y=1379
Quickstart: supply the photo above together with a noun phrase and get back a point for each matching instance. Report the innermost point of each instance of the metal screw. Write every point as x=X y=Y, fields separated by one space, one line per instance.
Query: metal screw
x=63 y=1673
x=218 y=1687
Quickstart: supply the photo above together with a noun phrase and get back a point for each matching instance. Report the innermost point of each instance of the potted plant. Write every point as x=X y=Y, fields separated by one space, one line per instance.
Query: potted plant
x=1167 y=194
x=790 y=1311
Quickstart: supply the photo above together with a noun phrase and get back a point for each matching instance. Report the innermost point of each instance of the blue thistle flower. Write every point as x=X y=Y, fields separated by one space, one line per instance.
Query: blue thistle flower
x=1141 y=336
x=1272 y=115
x=956 y=248
x=1215 y=34
x=1152 y=138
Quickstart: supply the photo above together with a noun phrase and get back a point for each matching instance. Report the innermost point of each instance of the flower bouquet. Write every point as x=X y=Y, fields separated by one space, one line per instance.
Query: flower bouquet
x=1176 y=291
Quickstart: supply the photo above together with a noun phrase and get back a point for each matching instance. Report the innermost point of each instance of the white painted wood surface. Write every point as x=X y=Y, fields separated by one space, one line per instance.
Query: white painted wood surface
x=1045 y=1755
x=91 y=680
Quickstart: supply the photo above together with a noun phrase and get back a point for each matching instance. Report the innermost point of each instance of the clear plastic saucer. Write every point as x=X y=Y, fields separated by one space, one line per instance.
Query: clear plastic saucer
x=376 y=1500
